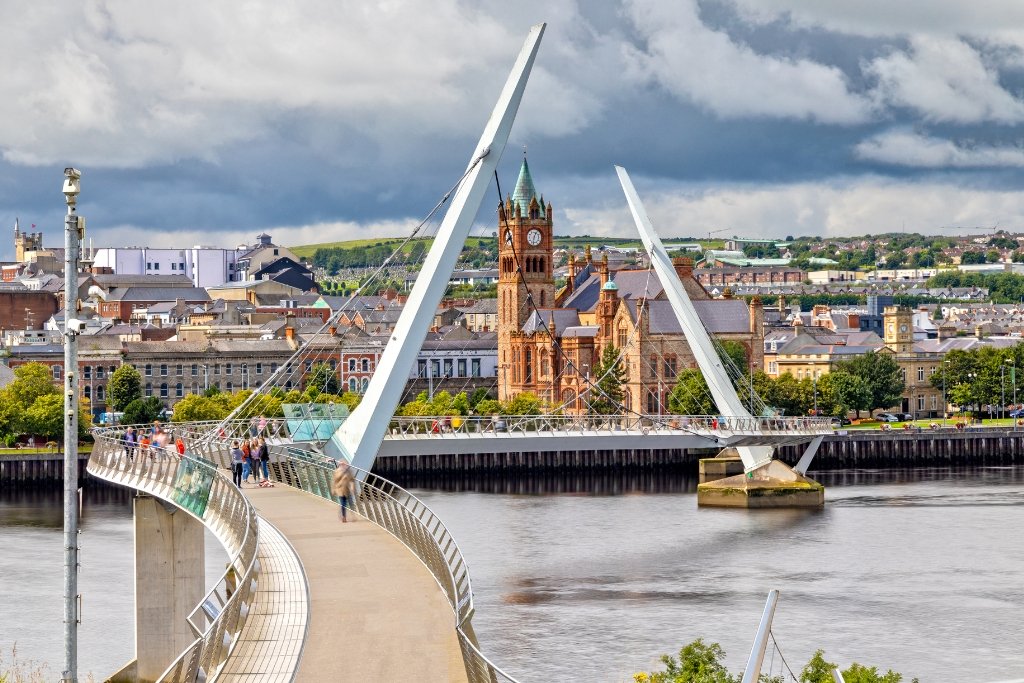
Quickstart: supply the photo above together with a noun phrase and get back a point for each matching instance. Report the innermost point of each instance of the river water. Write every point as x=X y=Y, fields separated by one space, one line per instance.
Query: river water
x=592 y=578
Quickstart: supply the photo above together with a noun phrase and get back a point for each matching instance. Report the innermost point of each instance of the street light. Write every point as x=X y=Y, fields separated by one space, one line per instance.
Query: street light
x=971 y=376
x=814 y=382
x=945 y=405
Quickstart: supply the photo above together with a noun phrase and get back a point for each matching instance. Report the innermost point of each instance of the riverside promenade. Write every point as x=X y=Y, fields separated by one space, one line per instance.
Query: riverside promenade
x=376 y=613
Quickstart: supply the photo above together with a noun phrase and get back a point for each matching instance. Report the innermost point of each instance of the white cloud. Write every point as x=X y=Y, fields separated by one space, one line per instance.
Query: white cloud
x=944 y=80
x=887 y=18
x=711 y=70
x=843 y=207
x=906 y=148
x=127 y=85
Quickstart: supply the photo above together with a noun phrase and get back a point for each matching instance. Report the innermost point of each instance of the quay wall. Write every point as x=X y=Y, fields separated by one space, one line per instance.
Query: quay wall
x=854 y=450
x=896 y=449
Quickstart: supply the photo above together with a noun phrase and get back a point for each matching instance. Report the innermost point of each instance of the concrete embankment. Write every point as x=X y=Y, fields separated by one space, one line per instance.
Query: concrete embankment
x=852 y=450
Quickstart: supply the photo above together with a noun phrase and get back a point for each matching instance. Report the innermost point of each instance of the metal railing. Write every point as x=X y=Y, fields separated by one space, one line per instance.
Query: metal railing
x=380 y=501
x=194 y=484
x=444 y=426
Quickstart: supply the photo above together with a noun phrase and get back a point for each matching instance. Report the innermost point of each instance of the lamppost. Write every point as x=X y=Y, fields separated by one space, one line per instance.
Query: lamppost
x=814 y=382
x=971 y=376
x=206 y=376
x=73 y=228
x=944 y=403
x=1002 y=391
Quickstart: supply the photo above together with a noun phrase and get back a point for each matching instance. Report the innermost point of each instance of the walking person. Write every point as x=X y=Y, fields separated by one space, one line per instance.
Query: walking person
x=264 y=452
x=236 y=464
x=179 y=444
x=130 y=441
x=343 y=485
x=144 y=446
x=246 y=460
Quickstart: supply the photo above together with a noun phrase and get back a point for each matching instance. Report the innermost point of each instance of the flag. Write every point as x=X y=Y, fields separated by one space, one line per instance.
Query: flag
x=33 y=225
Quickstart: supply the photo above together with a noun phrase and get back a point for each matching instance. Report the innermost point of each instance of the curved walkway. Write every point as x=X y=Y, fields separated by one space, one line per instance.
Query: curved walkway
x=375 y=611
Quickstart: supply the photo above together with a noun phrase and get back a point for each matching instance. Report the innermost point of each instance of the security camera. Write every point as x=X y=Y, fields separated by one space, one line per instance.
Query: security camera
x=76 y=326
x=72 y=182
x=96 y=292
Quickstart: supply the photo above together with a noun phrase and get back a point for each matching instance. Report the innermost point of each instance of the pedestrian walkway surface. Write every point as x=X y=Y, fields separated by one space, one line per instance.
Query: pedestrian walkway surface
x=376 y=613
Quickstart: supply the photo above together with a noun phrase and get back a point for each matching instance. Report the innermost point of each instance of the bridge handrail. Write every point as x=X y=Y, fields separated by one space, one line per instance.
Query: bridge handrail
x=402 y=426
x=220 y=615
x=379 y=500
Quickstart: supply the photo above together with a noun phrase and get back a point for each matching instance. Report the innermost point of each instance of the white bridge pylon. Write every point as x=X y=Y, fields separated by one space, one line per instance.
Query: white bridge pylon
x=722 y=390
x=359 y=437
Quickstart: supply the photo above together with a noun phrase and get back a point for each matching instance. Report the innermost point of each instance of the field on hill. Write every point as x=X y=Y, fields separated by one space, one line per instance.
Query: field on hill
x=306 y=251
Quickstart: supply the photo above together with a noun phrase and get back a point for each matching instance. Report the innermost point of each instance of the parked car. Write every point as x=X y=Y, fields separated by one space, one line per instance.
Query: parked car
x=907 y=417
x=1019 y=412
x=888 y=417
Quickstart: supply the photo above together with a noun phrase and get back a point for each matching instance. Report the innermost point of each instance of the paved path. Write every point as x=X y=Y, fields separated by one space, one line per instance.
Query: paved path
x=376 y=612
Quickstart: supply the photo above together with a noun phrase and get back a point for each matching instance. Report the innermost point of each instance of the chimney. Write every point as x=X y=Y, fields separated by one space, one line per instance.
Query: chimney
x=572 y=273
x=332 y=330
x=289 y=327
x=756 y=315
x=683 y=266
x=587 y=255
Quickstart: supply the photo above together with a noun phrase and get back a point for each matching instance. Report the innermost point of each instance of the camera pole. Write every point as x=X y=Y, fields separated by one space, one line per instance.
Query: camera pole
x=72 y=237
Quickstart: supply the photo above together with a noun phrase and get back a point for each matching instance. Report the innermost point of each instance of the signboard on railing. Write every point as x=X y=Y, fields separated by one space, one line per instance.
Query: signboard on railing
x=192 y=485
x=313 y=421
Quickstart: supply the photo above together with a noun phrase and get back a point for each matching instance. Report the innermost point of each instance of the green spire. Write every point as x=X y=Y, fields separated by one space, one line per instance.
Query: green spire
x=525 y=191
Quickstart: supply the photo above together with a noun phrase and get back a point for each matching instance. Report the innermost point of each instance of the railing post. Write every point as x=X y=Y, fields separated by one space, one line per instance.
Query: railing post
x=764 y=629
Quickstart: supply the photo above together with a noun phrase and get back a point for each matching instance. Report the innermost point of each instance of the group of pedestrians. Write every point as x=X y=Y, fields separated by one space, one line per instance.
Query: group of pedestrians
x=250 y=457
x=154 y=442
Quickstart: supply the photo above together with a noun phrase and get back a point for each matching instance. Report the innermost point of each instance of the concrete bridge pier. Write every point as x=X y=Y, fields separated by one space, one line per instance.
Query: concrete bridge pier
x=775 y=484
x=170 y=580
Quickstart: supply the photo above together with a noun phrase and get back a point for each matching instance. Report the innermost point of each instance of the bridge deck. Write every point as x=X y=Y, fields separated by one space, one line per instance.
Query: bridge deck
x=376 y=613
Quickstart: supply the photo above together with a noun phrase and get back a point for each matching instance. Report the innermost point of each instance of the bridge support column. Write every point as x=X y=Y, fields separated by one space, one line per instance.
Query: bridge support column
x=772 y=485
x=170 y=578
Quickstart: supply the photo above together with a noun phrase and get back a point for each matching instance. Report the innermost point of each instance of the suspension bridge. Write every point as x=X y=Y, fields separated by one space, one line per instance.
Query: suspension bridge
x=396 y=595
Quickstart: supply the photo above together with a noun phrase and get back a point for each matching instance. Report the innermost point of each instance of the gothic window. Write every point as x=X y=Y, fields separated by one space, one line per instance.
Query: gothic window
x=540 y=266
x=623 y=336
x=568 y=396
x=653 y=365
x=528 y=366
x=652 y=403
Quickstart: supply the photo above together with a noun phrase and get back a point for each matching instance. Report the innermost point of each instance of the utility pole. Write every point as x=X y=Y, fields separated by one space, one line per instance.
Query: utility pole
x=73 y=229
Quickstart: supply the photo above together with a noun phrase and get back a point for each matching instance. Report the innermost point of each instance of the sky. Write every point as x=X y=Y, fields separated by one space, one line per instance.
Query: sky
x=314 y=120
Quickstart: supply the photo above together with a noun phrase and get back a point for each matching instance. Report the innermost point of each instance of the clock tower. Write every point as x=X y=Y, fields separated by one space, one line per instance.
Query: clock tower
x=524 y=264
x=899 y=329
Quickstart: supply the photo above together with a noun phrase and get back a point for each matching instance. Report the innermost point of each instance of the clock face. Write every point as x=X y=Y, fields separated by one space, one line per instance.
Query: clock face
x=533 y=237
x=903 y=328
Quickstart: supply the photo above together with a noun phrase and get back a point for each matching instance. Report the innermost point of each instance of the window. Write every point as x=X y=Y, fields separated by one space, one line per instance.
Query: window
x=449 y=370
x=920 y=374
x=654 y=365
x=149 y=370
x=163 y=369
x=178 y=370
x=259 y=368
x=273 y=368
x=163 y=390
x=528 y=367
x=113 y=368
x=670 y=367
x=351 y=364
x=623 y=336
x=903 y=371
x=365 y=383
x=652 y=403
x=149 y=389
x=309 y=365
x=179 y=390
x=87 y=372
x=100 y=393
x=87 y=391
x=195 y=369
x=421 y=368
x=174 y=266
x=230 y=386
x=56 y=370
x=216 y=368
x=181 y=266
x=156 y=266
x=352 y=384
x=366 y=365
x=334 y=365
x=435 y=368
x=100 y=372
x=461 y=368
x=474 y=367
x=920 y=402
x=228 y=368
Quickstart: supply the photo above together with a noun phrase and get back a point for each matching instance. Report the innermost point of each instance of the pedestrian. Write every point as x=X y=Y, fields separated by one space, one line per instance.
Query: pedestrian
x=246 y=460
x=264 y=452
x=144 y=446
x=236 y=464
x=179 y=444
x=343 y=486
x=160 y=442
x=262 y=425
x=129 y=443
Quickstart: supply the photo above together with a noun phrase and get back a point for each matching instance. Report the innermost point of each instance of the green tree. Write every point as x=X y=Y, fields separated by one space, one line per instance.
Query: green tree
x=611 y=375
x=525 y=403
x=818 y=670
x=142 y=411
x=490 y=406
x=45 y=416
x=735 y=352
x=479 y=394
x=852 y=391
x=322 y=380
x=691 y=395
x=31 y=381
x=882 y=374
x=697 y=663
x=125 y=386
x=992 y=256
x=196 y=408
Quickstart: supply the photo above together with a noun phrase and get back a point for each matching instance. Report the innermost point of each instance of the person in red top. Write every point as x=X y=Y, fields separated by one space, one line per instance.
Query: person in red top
x=179 y=443
x=144 y=446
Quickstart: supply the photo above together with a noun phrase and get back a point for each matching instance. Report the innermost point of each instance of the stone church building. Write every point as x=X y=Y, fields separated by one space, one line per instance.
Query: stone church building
x=549 y=340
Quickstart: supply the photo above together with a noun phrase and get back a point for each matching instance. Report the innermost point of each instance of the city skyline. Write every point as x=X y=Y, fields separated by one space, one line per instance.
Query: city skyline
x=320 y=123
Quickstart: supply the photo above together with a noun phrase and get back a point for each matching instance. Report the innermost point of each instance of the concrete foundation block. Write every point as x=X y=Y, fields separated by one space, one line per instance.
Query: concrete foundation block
x=775 y=485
